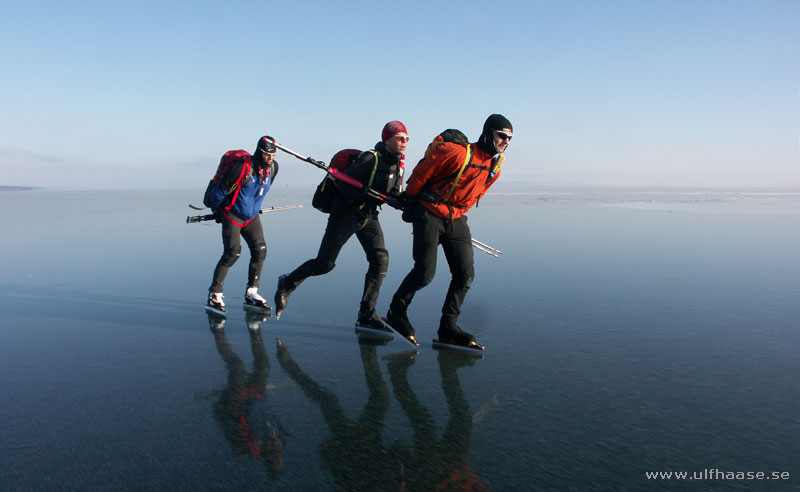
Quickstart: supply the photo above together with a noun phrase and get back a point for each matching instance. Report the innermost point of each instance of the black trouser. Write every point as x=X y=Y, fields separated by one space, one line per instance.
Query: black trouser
x=253 y=235
x=343 y=222
x=429 y=232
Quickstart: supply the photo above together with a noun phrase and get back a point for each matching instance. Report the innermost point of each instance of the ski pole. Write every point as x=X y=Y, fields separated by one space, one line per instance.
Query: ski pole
x=336 y=174
x=479 y=243
x=317 y=163
x=485 y=250
x=200 y=218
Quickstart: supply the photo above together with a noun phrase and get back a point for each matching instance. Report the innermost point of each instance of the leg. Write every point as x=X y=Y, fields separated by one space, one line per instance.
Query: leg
x=253 y=234
x=457 y=245
x=232 y=249
x=427 y=229
x=371 y=239
x=340 y=227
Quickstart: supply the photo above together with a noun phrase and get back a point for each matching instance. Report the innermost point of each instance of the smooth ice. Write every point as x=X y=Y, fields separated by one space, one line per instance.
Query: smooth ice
x=626 y=331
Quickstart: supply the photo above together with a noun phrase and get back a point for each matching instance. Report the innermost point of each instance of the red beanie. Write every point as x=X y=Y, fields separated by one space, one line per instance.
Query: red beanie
x=391 y=129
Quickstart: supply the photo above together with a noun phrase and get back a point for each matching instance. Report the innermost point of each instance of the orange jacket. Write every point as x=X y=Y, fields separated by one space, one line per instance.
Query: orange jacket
x=434 y=175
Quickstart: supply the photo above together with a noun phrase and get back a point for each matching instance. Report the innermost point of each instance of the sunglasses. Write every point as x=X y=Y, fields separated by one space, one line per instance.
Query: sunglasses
x=401 y=139
x=503 y=135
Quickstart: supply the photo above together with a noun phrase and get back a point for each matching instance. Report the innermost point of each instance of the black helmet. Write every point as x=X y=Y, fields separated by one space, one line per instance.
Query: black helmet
x=267 y=144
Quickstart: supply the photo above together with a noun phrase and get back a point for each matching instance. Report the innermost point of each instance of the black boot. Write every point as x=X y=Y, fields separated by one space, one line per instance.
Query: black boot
x=282 y=294
x=399 y=321
x=368 y=318
x=453 y=334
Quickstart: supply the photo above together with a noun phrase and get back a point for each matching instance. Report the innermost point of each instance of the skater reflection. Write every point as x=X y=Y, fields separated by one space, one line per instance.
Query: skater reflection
x=439 y=465
x=354 y=451
x=241 y=411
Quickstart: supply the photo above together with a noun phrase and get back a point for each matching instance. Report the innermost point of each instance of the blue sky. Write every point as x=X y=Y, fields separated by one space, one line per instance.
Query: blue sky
x=653 y=93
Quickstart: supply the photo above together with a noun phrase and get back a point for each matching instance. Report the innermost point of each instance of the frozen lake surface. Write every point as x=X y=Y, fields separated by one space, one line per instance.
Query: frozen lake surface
x=628 y=331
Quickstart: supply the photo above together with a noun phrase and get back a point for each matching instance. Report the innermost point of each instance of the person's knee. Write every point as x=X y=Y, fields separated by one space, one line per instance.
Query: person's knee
x=464 y=275
x=379 y=260
x=259 y=251
x=425 y=275
x=230 y=255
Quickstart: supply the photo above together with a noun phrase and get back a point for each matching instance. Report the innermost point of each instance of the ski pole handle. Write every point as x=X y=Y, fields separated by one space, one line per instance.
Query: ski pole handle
x=344 y=178
x=385 y=198
x=198 y=218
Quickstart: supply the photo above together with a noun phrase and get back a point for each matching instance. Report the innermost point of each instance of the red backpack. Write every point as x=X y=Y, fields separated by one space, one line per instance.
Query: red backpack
x=227 y=160
x=326 y=190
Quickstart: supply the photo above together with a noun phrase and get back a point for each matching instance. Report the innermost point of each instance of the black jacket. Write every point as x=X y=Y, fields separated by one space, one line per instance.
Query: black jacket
x=388 y=179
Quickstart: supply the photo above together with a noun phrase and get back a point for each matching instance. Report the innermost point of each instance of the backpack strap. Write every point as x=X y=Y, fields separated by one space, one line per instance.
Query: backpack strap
x=374 y=168
x=460 y=172
x=495 y=168
x=371 y=176
x=237 y=185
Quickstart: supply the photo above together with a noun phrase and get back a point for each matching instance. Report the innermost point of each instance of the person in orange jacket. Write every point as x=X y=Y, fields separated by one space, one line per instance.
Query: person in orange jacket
x=444 y=185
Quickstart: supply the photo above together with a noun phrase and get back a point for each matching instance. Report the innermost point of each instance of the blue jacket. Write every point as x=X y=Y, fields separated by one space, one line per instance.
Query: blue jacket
x=246 y=199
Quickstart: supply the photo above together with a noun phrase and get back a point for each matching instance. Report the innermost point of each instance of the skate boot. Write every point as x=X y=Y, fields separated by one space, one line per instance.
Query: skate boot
x=399 y=323
x=215 y=304
x=369 y=323
x=454 y=334
x=281 y=296
x=453 y=337
x=254 y=302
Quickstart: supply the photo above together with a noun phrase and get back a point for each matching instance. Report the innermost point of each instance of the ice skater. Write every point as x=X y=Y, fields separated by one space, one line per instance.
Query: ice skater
x=354 y=212
x=443 y=186
x=235 y=198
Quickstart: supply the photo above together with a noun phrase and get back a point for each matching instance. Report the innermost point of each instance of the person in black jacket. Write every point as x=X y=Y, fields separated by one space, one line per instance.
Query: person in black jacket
x=353 y=212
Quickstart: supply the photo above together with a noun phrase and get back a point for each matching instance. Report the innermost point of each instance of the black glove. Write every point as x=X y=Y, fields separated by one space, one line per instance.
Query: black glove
x=410 y=204
x=218 y=216
x=400 y=197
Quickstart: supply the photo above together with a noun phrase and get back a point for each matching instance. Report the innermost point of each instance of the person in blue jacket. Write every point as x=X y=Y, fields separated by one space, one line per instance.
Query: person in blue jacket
x=236 y=201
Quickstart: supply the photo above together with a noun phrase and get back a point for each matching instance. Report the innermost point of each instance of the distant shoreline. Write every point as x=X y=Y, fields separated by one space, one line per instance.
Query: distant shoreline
x=19 y=188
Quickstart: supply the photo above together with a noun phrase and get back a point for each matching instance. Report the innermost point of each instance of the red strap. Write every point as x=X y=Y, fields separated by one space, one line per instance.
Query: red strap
x=245 y=171
x=225 y=213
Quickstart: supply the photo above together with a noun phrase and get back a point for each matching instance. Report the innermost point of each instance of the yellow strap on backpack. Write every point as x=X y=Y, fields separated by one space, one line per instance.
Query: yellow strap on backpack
x=460 y=172
x=371 y=176
x=374 y=168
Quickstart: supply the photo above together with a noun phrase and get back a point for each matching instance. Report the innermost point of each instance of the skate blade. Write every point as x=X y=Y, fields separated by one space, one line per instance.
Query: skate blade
x=369 y=331
x=215 y=311
x=471 y=349
x=411 y=340
x=256 y=309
